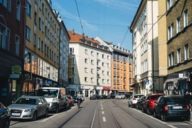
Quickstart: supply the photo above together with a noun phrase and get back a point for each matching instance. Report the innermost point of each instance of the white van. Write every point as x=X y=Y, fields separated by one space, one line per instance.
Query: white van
x=55 y=96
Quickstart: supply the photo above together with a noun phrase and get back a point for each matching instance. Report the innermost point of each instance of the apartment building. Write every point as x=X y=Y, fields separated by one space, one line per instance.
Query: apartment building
x=179 y=43
x=90 y=65
x=64 y=54
x=41 y=46
x=145 y=47
x=122 y=76
x=11 y=48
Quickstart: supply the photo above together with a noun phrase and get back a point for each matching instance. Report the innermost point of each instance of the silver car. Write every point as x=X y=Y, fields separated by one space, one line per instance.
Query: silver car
x=28 y=107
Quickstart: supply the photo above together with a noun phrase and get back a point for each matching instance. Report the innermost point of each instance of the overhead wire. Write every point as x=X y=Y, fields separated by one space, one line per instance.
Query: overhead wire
x=79 y=16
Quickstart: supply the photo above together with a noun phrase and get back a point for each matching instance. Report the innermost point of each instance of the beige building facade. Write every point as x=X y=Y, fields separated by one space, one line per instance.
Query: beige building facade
x=41 y=46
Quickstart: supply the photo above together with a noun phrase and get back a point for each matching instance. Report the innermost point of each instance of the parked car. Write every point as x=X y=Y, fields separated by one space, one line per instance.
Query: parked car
x=140 y=102
x=132 y=101
x=28 y=107
x=149 y=103
x=4 y=117
x=93 y=97
x=55 y=96
x=172 y=107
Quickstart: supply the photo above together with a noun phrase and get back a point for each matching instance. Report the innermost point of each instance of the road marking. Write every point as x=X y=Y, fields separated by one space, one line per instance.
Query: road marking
x=104 y=119
x=103 y=112
x=93 y=119
x=171 y=126
x=101 y=106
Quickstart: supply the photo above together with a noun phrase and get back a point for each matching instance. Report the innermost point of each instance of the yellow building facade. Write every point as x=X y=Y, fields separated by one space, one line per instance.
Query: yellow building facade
x=41 y=45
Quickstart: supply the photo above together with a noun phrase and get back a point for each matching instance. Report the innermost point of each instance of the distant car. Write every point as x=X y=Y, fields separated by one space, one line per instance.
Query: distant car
x=132 y=101
x=120 y=96
x=172 y=107
x=149 y=103
x=70 y=100
x=93 y=97
x=28 y=107
x=4 y=117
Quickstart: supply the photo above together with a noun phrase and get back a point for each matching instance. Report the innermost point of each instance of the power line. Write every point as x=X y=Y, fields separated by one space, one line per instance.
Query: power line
x=79 y=15
x=124 y=37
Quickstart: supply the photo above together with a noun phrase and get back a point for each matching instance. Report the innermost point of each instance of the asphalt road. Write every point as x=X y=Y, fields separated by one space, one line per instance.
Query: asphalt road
x=101 y=114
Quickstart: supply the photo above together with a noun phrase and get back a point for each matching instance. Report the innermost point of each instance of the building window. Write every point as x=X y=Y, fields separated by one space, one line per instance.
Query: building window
x=18 y=10
x=38 y=44
x=169 y=4
x=85 y=79
x=71 y=50
x=92 y=62
x=91 y=71
x=103 y=81
x=40 y=23
x=4 y=37
x=92 y=53
x=171 y=59
x=6 y=3
x=170 y=32
x=17 y=45
x=102 y=64
x=27 y=33
x=28 y=8
x=178 y=25
x=35 y=18
x=186 y=52
x=185 y=18
x=35 y=40
x=86 y=70
x=41 y=46
x=178 y=56
x=102 y=55
x=91 y=79
x=86 y=51
x=86 y=60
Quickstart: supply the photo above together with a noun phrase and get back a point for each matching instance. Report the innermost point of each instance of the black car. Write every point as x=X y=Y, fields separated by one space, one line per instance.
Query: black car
x=140 y=103
x=167 y=107
x=4 y=117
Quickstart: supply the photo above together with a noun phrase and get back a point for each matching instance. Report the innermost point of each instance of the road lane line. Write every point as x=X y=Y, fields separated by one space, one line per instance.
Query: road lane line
x=103 y=112
x=92 y=122
x=104 y=119
x=171 y=126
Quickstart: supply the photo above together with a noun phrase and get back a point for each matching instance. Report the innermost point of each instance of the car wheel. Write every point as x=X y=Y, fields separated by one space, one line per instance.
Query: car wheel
x=188 y=118
x=57 y=109
x=163 y=117
x=154 y=114
x=46 y=113
x=34 y=116
x=7 y=124
x=148 y=111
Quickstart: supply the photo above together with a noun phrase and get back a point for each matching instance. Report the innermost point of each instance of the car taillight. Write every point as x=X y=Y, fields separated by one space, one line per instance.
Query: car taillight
x=166 y=108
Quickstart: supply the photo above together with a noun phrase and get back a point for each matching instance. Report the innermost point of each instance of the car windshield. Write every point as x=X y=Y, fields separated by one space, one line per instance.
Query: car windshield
x=154 y=97
x=138 y=96
x=29 y=101
x=48 y=93
x=175 y=100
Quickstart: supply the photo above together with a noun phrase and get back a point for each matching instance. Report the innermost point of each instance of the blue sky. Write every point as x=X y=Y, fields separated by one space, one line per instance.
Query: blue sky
x=108 y=19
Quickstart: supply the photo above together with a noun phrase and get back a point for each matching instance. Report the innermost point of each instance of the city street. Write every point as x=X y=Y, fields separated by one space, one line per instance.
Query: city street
x=101 y=114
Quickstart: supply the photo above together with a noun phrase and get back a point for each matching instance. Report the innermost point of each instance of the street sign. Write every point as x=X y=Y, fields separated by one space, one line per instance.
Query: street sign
x=16 y=69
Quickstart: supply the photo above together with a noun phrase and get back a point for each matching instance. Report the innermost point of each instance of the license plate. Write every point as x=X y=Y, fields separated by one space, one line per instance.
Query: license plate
x=177 y=107
x=15 y=114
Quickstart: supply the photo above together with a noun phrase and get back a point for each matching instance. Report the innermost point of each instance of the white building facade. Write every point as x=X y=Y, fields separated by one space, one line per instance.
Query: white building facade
x=144 y=30
x=92 y=65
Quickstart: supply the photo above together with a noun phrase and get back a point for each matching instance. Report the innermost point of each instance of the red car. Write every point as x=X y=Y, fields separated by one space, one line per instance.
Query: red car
x=149 y=103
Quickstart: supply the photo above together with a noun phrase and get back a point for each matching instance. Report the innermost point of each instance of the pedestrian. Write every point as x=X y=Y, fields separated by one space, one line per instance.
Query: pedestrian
x=78 y=102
